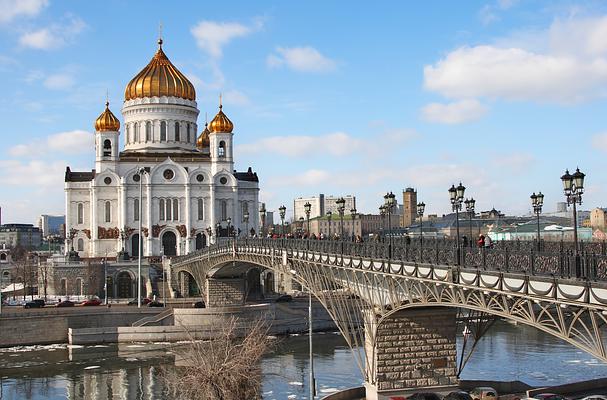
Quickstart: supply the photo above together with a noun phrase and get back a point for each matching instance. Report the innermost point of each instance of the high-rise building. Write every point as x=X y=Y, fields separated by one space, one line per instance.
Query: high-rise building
x=409 y=207
x=320 y=205
x=51 y=224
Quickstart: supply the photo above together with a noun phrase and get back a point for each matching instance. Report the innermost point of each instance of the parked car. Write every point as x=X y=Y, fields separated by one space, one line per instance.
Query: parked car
x=284 y=298
x=483 y=393
x=144 y=301
x=548 y=396
x=155 y=304
x=199 y=304
x=38 y=303
x=459 y=395
x=91 y=302
x=424 y=396
x=65 y=303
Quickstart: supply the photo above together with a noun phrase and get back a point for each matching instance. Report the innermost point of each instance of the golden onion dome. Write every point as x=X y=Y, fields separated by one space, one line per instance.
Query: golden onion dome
x=160 y=78
x=107 y=121
x=221 y=123
x=204 y=140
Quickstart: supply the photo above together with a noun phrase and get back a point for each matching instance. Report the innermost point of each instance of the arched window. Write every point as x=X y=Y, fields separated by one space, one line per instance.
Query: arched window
x=200 y=209
x=161 y=210
x=80 y=213
x=148 y=131
x=3 y=258
x=189 y=138
x=107 y=148
x=64 y=286
x=177 y=131
x=136 y=210
x=80 y=244
x=224 y=210
x=221 y=152
x=168 y=209
x=108 y=211
x=79 y=287
x=128 y=133
x=245 y=209
x=175 y=209
x=163 y=131
x=136 y=132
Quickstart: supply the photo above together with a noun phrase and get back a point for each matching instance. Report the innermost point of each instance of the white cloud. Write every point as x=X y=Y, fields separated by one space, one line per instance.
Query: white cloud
x=213 y=36
x=568 y=64
x=454 y=113
x=517 y=162
x=11 y=9
x=235 y=97
x=335 y=144
x=489 y=13
x=70 y=142
x=54 y=36
x=302 y=59
x=32 y=173
x=59 y=81
x=599 y=141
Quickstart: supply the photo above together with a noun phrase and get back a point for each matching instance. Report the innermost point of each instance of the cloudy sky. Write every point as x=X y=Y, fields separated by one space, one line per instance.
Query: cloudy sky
x=326 y=98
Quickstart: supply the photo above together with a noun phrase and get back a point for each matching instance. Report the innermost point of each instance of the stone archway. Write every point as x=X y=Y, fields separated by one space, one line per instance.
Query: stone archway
x=169 y=243
x=201 y=241
x=125 y=285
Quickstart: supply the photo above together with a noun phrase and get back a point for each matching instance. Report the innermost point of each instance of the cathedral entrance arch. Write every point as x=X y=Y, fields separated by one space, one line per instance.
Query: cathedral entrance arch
x=201 y=241
x=125 y=285
x=169 y=243
x=135 y=245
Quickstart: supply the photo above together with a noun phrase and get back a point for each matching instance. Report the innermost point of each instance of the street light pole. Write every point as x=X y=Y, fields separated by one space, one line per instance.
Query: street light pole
x=308 y=210
x=421 y=207
x=537 y=201
x=456 y=195
x=470 y=210
x=573 y=186
x=329 y=216
x=142 y=171
x=353 y=214
x=341 y=208
x=262 y=215
x=282 y=210
x=246 y=220
x=389 y=204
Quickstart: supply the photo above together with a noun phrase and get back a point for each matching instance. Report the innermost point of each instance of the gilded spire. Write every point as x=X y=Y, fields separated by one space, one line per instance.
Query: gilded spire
x=221 y=123
x=204 y=140
x=107 y=121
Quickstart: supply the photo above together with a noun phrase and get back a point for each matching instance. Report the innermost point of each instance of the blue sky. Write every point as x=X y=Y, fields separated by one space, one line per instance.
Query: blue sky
x=326 y=97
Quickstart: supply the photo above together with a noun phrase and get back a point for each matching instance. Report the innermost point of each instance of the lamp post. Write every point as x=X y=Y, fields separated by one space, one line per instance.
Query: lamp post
x=382 y=213
x=353 y=215
x=470 y=210
x=341 y=208
x=537 y=201
x=456 y=195
x=142 y=171
x=282 y=210
x=301 y=224
x=246 y=221
x=217 y=231
x=421 y=207
x=573 y=186
x=229 y=221
x=209 y=234
x=307 y=210
x=389 y=204
x=262 y=218
x=329 y=216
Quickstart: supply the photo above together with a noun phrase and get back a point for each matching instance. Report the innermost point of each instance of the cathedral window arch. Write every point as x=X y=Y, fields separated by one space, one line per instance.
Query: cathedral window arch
x=163 y=131
x=168 y=210
x=161 y=209
x=80 y=212
x=224 y=210
x=245 y=209
x=79 y=287
x=136 y=210
x=108 y=211
x=175 y=209
x=80 y=244
x=200 y=209
x=128 y=133
x=221 y=151
x=136 y=132
x=63 y=286
x=148 y=131
x=107 y=148
x=177 y=132
x=188 y=133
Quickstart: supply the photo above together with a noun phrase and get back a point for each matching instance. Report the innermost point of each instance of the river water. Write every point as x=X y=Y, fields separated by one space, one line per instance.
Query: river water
x=130 y=371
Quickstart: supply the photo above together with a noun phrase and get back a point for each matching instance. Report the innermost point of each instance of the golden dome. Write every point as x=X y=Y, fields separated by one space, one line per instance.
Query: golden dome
x=203 y=140
x=160 y=78
x=107 y=121
x=221 y=123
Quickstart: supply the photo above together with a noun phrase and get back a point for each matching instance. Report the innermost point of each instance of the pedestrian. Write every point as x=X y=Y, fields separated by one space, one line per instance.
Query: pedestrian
x=481 y=241
x=488 y=242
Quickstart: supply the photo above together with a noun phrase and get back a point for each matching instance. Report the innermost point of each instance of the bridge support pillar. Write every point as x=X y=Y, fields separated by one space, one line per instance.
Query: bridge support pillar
x=412 y=349
x=225 y=292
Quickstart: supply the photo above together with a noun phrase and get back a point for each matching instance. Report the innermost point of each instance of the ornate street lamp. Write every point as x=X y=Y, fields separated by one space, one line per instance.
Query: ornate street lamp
x=353 y=215
x=341 y=208
x=389 y=204
x=283 y=211
x=470 y=203
x=209 y=235
x=307 y=210
x=329 y=215
x=229 y=221
x=537 y=201
x=456 y=195
x=421 y=207
x=573 y=186
x=382 y=213
x=245 y=216
x=262 y=218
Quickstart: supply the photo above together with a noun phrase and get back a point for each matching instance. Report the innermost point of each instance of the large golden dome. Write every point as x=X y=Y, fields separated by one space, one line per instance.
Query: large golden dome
x=203 y=140
x=221 y=123
x=107 y=121
x=160 y=78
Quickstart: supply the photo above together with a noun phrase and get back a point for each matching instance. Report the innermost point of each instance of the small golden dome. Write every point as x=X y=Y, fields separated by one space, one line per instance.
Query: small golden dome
x=160 y=78
x=221 y=123
x=107 y=121
x=203 y=140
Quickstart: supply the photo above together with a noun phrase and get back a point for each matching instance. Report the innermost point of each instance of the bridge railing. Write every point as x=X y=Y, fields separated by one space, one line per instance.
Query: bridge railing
x=559 y=262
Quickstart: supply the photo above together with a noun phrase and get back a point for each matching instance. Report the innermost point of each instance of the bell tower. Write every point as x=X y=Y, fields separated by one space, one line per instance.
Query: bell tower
x=107 y=129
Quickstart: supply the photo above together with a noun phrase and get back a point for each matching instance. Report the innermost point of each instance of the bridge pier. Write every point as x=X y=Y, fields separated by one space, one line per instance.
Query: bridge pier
x=224 y=292
x=409 y=350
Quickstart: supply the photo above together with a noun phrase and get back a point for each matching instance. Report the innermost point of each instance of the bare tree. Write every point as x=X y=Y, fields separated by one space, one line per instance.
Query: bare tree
x=224 y=368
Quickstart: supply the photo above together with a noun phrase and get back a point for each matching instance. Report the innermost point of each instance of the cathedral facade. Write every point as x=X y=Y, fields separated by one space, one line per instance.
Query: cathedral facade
x=180 y=187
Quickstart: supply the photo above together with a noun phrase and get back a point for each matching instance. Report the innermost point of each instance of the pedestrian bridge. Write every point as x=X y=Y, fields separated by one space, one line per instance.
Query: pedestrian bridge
x=400 y=301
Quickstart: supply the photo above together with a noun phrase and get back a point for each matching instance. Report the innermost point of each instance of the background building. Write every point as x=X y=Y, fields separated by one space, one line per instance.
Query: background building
x=320 y=205
x=597 y=218
x=51 y=224
x=332 y=226
x=409 y=213
x=24 y=235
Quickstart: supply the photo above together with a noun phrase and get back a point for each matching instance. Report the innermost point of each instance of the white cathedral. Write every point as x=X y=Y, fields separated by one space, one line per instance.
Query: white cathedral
x=190 y=192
